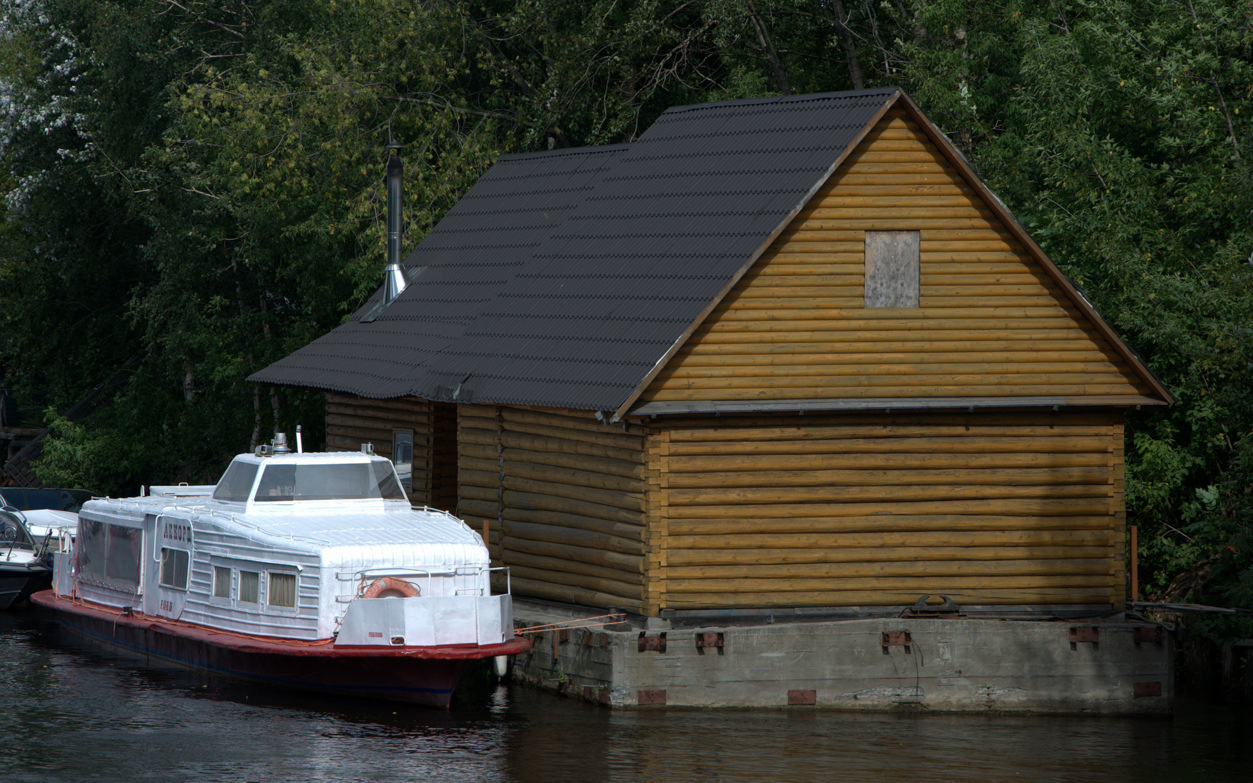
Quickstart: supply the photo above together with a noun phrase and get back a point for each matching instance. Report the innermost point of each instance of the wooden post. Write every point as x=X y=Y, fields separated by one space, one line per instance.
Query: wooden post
x=487 y=539
x=1135 y=565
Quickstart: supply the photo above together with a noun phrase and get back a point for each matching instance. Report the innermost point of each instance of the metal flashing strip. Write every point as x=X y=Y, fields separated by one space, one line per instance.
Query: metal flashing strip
x=887 y=404
x=685 y=619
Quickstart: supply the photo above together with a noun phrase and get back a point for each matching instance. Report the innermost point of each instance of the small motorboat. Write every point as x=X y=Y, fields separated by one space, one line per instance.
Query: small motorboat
x=25 y=565
x=300 y=570
x=50 y=513
x=50 y=523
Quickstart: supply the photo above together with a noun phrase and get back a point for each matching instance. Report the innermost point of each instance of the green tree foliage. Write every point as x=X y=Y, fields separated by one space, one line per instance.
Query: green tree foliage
x=199 y=183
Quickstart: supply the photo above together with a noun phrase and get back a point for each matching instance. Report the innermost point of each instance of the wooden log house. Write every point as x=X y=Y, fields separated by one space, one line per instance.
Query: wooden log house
x=785 y=352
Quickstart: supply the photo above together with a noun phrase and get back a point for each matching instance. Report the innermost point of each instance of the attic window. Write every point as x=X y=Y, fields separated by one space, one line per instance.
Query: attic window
x=892 y=268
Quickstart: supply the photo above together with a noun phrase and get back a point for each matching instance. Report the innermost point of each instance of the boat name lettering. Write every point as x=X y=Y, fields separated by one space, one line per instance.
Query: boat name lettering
x=176 y=531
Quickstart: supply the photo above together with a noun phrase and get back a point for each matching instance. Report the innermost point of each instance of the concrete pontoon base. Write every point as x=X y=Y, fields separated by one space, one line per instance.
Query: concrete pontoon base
x=1105 y=665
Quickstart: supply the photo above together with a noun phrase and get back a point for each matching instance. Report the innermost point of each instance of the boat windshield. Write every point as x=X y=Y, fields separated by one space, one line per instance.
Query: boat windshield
x=323 y=481
x=13 y=532
x=236 y=482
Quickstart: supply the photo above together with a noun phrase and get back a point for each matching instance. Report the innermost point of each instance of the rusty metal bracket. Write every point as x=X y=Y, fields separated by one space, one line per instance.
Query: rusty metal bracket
x=652 y=643
x=797 y=698
x=895 y=639
x=1082 y=634
x=1146 y=690
x=651 y=697
x=709 y=641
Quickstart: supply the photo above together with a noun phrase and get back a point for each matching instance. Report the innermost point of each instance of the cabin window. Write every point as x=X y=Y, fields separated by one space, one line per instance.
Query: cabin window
x=174 y=567
x=91 y=544
x=282 y=590
x=109 y=552
x=236 y=482
x=125 y=550
x=402 y=456
x=249 y=587
x=221 y=582
x=891 y=275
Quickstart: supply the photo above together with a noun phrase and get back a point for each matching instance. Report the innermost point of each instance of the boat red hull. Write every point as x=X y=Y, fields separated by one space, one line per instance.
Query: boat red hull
x=415 y=675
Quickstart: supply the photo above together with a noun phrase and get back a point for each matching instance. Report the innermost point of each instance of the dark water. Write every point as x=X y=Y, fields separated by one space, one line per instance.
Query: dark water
x=68 y=714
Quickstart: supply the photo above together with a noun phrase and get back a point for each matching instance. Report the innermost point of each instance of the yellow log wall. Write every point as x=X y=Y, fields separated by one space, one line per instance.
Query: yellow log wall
x=352 y=421
x=563 y=498
x=989 y=509
x=990 y=323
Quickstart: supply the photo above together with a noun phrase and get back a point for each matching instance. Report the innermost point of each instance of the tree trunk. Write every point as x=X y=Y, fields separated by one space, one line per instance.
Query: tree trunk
x=767 y=48
x=850 y=48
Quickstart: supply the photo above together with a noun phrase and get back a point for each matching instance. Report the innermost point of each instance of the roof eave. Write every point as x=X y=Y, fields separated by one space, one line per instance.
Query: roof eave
x=890 y=404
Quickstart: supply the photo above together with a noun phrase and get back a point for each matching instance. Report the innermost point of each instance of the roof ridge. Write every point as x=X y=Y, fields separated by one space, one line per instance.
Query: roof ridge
x=782 y=99
x=589 y=150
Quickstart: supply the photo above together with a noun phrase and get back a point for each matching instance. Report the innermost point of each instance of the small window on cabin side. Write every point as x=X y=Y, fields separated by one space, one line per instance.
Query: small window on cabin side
x=282 y=589
x=221 y=582
x=174 y=567
x=402 y=456
x=892 y=268
x=249 y=587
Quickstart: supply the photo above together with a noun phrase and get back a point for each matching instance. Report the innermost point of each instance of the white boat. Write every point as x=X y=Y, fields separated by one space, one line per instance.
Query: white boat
x=301 y=570
x=24 y=564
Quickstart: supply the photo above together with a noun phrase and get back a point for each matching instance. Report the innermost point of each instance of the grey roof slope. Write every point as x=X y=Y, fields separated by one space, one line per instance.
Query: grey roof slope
x=474 y=252
x=563 y=279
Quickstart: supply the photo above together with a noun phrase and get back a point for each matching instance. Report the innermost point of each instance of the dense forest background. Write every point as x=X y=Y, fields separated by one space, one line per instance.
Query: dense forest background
x=193 y=189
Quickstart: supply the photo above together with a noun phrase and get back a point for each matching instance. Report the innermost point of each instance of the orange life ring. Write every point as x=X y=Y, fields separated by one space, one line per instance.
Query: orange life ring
x=389 y=587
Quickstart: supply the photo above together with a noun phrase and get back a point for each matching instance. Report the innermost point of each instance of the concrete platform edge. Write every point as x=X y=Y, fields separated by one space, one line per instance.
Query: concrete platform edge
x=1110 y=665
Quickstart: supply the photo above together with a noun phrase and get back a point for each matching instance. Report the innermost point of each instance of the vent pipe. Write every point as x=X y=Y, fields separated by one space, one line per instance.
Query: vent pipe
x=393 y=277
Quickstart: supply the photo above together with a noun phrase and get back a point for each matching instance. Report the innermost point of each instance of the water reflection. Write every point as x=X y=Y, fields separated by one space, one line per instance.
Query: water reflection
x=67 y=714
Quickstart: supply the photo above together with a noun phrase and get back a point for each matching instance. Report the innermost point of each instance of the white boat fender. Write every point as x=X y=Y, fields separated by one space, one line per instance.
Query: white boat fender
x=390 y=587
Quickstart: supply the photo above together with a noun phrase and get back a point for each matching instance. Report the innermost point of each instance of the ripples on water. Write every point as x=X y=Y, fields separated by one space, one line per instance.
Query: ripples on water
x=68 y=714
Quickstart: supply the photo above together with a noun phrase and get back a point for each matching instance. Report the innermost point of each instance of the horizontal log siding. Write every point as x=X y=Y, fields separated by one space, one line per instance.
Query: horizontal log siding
x=564 y=498
x=990 y=321
x=352 y=421
x=1003 y=509
x=478 y=474
x=443 y=456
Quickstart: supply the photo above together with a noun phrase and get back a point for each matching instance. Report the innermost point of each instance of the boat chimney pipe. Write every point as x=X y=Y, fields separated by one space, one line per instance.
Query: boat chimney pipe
x=393 y=277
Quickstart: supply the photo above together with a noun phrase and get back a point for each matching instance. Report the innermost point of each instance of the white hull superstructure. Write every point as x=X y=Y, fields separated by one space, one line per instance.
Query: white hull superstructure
x=319 y=552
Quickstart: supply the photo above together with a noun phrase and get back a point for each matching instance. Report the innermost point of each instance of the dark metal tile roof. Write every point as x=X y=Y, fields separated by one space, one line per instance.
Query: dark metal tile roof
x=562 y=278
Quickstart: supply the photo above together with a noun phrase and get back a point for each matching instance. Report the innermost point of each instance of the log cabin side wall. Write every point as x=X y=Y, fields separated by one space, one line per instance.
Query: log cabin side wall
x=987 y=508
x=352 y=421
x=563 y=499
